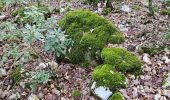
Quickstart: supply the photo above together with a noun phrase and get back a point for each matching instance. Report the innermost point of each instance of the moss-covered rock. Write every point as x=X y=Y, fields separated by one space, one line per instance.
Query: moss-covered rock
x=123 y=60
x=117 y=96
x=106 y=76
x=90 y=34
x=165 y=12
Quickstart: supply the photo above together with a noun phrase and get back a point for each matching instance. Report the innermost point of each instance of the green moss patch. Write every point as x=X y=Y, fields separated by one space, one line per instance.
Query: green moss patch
x=90 y=34
x=165 y=12
x=123 y=60
x=106 y=75
x=117 y=96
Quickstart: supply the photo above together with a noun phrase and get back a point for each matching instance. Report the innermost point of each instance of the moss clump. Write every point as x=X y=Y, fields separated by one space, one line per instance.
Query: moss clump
x=75 y=93
x=89 y=32
x=15 y=75
x=105 y=75
x=165 y=12
x=116 y=96
x=123 y=60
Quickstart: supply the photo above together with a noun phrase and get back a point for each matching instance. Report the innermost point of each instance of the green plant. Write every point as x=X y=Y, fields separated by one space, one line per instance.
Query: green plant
x=57 y=42
x=38 y=77
x=9 y=32
x=31 y=14
x=165 y=1
x=106 y=11
x=117 y=96
x=151 y=8
x=165 y=12
x=15 y=75
x=12 y=2
x=92 y=2
x=75 y=93
x=41 y=76
x=90 y=34
x=167 y=34
x=136 y=7
x=122 y=60
x=106 y=75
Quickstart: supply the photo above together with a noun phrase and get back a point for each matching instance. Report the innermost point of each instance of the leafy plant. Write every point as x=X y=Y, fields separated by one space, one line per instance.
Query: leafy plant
x=41 y=76
x=75 y=93
x=57 y=42
x=9 y=32
x=15 y=75
x=167 y=34
x=151 y=8
x=34 y=15
x=31 y=34
x=12 y=2
x=38 y=78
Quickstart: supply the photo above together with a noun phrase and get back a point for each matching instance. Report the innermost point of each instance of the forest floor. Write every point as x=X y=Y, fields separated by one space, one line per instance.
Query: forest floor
x=139 y=29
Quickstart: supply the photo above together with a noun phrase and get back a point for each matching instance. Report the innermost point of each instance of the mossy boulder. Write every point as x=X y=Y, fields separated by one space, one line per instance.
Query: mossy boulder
x=106 y=76
x=117 y=96
x=122 y=60
x=90 y=34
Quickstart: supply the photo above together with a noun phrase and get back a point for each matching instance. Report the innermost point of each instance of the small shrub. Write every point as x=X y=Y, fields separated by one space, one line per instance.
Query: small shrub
x=123 y=60
x=90 y=34
x=117 y=96
x=105 y=75
x=15 y=75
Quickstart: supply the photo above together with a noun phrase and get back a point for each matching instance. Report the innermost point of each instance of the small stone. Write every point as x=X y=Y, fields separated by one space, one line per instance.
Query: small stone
x=33 y=97
x=146 y=59
x=147 y=69
x=2 y=72
x=49 y=97
x=102 y=92
x=41 y=95
x=126 y=8
x=55 y=91
x=14 y=96
x=52 y=86
x=53 y=65
x=42 y=65
x=157 y=97
x=22 y=84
